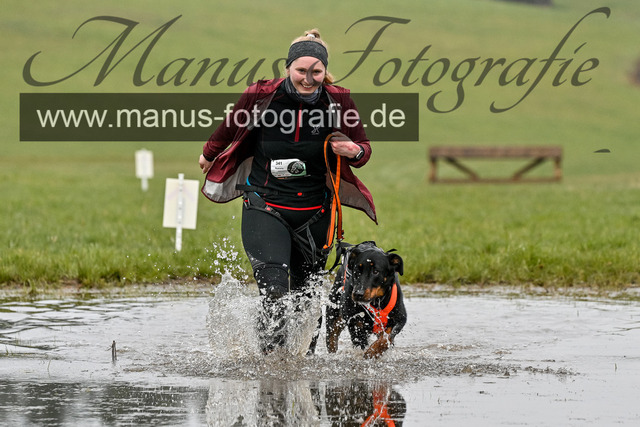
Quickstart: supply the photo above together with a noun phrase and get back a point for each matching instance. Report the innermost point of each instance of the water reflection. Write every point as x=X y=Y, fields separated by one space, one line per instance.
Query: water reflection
x=304 y=403
x=23 y=404
x=377 y=403
x=225 y=403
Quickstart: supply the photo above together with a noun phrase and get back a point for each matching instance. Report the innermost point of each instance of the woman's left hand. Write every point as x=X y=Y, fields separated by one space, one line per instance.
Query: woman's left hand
x=342 y=145
x=205 y=164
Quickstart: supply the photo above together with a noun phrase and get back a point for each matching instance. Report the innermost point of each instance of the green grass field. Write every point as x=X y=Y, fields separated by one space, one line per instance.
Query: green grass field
x=73 y=212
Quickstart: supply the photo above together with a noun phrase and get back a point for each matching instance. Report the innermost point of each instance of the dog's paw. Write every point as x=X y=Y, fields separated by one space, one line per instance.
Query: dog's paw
x=376 y=349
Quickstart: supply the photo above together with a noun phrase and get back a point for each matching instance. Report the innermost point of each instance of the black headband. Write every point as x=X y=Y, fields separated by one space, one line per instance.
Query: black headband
x=307 y=48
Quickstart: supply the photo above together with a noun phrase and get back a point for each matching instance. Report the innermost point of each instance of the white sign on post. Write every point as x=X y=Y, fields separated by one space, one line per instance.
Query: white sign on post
x=144 y=167
x=180 y=205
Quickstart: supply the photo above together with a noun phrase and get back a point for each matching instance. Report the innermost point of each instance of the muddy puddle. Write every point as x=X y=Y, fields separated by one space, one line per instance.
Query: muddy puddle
x=482 y=360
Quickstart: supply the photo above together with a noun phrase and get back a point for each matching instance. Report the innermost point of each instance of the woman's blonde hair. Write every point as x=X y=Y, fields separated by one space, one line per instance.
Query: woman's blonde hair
x=314 y=35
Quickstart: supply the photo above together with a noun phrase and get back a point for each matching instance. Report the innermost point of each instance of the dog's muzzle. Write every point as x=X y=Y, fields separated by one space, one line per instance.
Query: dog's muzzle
x=358 y=295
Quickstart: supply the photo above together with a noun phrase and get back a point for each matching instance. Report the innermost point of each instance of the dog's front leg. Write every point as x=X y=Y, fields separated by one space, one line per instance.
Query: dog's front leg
x=334 y=328
x=380 y=345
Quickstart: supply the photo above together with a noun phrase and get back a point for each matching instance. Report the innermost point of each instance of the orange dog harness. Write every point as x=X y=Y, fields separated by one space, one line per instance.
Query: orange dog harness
x=381 y=315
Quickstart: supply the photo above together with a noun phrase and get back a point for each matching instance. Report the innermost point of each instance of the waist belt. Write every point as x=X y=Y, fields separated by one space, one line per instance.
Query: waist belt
x=301 y=236
x=271 y=192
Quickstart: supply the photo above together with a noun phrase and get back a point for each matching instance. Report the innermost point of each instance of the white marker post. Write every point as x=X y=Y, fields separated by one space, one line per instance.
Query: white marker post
x=180 y=205
x=144 y=167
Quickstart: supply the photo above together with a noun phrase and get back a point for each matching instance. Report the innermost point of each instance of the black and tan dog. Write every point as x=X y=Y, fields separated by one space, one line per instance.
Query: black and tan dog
x=367 y=299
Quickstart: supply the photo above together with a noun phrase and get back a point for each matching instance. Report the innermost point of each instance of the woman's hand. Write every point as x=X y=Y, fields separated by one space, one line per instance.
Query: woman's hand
x=342 y=145
x=205 y=164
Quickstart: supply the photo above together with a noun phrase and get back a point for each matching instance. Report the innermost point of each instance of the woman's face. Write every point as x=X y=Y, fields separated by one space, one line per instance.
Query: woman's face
x=307 y=73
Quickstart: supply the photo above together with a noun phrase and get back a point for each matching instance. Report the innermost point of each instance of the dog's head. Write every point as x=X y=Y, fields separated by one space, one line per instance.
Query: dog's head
x=372 y=270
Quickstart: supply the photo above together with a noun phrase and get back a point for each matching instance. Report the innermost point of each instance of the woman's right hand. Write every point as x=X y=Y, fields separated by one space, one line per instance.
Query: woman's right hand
x=205 y=164
x=342 y=145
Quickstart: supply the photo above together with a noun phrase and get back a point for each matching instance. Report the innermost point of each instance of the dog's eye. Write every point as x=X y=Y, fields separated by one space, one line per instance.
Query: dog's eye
x=375 y=271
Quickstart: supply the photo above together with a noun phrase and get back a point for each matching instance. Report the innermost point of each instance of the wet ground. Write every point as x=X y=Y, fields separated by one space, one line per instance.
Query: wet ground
x=482 y=360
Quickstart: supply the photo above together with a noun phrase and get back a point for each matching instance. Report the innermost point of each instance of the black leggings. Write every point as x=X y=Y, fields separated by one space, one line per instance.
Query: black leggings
x=277 y=258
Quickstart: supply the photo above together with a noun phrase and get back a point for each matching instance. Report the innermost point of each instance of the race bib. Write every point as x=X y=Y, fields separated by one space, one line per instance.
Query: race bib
x=288 y=168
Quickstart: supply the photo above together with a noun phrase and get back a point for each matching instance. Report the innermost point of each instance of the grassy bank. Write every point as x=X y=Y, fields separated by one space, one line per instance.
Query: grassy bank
x=89 y=221
x=74 y=212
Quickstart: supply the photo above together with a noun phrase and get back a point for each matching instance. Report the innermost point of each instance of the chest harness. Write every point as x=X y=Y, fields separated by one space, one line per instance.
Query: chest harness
x=381 y=315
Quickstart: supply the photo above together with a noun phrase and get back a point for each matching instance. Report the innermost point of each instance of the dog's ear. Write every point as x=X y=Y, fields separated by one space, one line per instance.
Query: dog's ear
x=351 y=258
x=396 y=263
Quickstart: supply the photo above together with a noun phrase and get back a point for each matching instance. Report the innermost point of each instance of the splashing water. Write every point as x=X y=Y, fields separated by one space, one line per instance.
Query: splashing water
x=232 y=325
x=226 y=259
x=236 y=350
x=235 y=308
x=231 y=320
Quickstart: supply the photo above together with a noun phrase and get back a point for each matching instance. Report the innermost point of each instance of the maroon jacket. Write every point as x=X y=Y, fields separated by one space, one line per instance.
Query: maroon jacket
x=232 y=154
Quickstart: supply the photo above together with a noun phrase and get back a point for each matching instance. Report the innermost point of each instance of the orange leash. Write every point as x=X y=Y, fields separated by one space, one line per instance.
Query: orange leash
x=336 y=206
